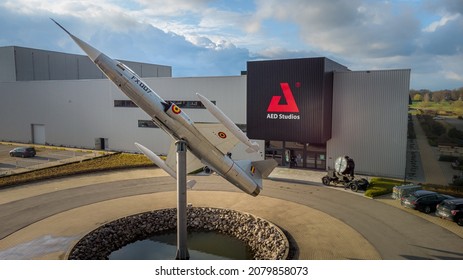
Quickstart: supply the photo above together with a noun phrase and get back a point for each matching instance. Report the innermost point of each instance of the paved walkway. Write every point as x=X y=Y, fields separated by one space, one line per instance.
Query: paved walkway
x=326 y=223
x=318 y=235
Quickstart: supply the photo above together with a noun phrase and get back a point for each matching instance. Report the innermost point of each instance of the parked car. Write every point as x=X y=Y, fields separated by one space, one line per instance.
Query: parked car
x=451 y=209
x=425 y=201
x=401 y=191
x=23 y=152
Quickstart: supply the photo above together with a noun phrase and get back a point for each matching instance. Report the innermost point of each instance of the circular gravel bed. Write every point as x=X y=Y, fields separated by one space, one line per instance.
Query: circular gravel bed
x=265 y=240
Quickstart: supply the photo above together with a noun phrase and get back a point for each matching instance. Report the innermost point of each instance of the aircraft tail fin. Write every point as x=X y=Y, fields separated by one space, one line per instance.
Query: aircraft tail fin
x=258 y=170
x=265 y=167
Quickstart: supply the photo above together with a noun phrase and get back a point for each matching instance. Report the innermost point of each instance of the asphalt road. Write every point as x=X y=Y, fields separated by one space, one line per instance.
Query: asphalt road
x=395 y=234
x=44 y=155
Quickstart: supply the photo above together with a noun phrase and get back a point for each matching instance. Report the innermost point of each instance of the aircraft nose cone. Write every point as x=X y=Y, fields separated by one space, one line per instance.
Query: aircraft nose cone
x=89 y=50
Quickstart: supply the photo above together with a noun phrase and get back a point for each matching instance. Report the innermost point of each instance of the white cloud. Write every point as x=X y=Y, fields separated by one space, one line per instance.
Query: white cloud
x=354 y=28
x=453 y=76
x=440 y=23
x=202 y=37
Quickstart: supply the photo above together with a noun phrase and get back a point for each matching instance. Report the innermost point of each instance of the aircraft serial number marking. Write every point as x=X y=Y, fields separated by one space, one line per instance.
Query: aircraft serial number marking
x=141 y=84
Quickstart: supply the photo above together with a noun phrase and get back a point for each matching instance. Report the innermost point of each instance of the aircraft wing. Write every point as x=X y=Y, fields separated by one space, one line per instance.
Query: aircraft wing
x=218 y=135
x=192 y=162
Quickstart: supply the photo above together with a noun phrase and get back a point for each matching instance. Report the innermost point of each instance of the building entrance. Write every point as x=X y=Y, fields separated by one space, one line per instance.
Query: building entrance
x=297 y=155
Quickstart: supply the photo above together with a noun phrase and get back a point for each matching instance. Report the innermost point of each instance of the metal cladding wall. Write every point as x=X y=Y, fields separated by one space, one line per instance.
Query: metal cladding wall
x=290 y=100
x=25 y=64
x=370 y=121
x=74 y=113
x=7 y=68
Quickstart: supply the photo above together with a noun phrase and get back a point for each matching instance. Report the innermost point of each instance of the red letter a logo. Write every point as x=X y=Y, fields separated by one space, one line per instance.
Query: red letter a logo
x=289 y=107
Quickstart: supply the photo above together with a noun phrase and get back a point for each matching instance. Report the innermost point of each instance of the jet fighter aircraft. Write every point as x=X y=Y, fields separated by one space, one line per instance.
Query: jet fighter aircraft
x=208 y=145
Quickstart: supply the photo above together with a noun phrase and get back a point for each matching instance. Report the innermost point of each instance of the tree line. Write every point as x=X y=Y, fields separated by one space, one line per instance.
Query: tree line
x=437 y=96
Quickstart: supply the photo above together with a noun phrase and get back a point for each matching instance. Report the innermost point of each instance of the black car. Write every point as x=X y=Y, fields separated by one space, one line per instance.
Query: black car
x=23 y=152
x=425 y=201
x=451 y=209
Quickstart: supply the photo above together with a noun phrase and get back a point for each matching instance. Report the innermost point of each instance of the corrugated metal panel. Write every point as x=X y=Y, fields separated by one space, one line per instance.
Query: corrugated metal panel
x=7 y=63
x=148 y=70
x=24 y=65
x=70 y=67
x=370 y=120
x=136 y=67
x=164 y=71
x=41 y=66
x=32 y=64
x=87 y=69
x=330 y=67
x=57 y=66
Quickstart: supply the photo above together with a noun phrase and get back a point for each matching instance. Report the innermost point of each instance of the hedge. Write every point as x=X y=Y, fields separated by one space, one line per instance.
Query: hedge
x=381 y=186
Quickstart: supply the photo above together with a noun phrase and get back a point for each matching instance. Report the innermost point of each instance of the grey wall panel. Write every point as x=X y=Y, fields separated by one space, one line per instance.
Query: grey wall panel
x=7 y=64
x=57 y=66
x=24 y=64
x=330 y=67
x=370 y=120
x=71 y=67
x=136 y=67
x=41 y=65
x=87 y=69
x=149 y=70
x=146 y=70
x=164 y=71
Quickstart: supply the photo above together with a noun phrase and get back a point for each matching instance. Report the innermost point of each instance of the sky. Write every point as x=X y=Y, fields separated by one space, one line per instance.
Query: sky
x=217 y=38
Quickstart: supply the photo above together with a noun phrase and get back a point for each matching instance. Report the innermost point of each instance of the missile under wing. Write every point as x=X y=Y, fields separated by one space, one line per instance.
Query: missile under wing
x=208 y=144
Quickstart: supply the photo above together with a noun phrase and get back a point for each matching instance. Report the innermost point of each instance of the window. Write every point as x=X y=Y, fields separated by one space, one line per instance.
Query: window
x=125 y=103
x=147 y=124
x=242 y=126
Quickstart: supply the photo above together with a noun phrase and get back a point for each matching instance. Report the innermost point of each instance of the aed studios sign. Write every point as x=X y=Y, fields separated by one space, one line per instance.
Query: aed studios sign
x=290 y=100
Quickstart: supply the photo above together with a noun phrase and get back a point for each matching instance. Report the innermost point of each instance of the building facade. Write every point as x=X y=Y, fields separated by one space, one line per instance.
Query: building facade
x=306 y=111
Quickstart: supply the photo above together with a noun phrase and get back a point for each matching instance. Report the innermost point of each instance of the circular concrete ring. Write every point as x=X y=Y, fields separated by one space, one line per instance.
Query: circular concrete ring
x=265 y=240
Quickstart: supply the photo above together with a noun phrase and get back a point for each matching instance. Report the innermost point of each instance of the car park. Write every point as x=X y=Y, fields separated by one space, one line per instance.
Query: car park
x=451 y=209
x=423 y=200
x=23 y=152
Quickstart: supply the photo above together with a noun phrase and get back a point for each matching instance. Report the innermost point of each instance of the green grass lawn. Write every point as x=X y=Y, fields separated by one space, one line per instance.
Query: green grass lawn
x=110 y=162
x=446 y=108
